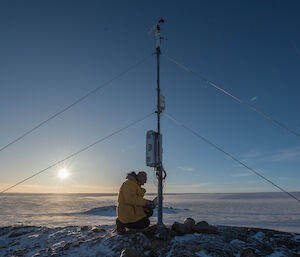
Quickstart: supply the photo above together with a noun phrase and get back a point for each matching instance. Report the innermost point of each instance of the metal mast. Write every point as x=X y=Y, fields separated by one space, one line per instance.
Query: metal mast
x=154 y=138
x=159 y=168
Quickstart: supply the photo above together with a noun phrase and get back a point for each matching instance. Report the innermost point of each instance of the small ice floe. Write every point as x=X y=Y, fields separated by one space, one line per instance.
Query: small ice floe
x=169 y=210
x=187 y=237
x=102 y=211
x=259 y=236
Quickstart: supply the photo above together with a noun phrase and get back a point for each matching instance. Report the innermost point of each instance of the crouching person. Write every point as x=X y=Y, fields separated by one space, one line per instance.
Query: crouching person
x=133 y=210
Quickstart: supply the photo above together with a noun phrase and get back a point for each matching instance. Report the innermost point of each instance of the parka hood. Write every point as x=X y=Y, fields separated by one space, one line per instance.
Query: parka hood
x=131 y=178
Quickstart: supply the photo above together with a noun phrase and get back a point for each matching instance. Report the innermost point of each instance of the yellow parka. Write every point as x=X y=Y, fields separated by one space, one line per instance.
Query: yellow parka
x=130 y=201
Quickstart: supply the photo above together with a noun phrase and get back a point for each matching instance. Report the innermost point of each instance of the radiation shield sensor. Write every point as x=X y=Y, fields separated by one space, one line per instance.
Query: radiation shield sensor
x=153 y=141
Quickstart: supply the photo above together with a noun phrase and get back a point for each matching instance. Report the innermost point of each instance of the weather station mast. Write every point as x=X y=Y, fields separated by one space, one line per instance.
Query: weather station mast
x=154 y=139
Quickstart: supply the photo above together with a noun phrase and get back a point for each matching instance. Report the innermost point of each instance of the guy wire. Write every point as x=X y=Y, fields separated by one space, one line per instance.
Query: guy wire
x=75 y=102
x=228 y=154
x=266 y=116
x=78 y=152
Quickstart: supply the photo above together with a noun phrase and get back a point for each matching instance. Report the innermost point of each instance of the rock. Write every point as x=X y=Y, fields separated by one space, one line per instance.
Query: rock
x=183 y=253
x=189 y=224
x=20 y=252
x=84 y=228
x=18 y=233
x=4 y=230
x=202 y=223
x=76 y=244
x=205 y=228
x=2 y=244
x=229 y=242
x=47 y=250
x=95 y=229
x=131 y=253
x=81 y=242
x=14 y=243
x=150 y=231
x=247 y=252
x=147 y=245
x=237 y=244
x=179 y=228
x=67 y=246
x=162 y=233
x=259 y=236
x=36 y=245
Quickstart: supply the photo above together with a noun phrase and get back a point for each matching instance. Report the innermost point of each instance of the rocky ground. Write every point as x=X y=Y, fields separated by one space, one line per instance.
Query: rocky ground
x=186 y=239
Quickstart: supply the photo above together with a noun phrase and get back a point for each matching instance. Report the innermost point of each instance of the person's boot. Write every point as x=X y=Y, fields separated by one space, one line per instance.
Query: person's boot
x=120 y=227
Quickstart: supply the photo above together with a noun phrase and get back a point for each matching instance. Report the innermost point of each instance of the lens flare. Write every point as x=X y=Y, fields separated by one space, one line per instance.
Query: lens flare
x=63 y=174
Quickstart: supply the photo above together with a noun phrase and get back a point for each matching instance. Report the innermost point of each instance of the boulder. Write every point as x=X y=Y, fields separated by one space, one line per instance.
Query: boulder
x=179 y=228
x=203 y=227
x=247 y=252
x=97 y=229
x=128 y=252
x=18 y=233
x=147 y=245
x=189 y=224
x=202 y=223
x=67 y=246
x=20 y=252
x=150 y=231
x=84 y=228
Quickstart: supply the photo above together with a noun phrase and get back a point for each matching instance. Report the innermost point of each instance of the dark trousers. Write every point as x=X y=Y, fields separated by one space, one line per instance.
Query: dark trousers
x=142 y=223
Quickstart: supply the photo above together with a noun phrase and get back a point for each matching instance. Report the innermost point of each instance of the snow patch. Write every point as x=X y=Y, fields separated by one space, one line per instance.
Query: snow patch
x=187 y=237
x=277 y=254
x=237 y=242
x=202 y=254
x=76 y=241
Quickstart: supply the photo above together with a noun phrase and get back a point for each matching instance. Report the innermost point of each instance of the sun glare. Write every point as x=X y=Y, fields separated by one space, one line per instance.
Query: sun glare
x=63 y=173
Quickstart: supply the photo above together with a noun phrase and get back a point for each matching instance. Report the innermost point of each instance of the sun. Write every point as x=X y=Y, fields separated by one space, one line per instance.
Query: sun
x=63 y=174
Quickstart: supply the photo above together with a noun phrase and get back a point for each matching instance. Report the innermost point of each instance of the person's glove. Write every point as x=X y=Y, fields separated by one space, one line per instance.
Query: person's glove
x=150 y=204
x=155 y=201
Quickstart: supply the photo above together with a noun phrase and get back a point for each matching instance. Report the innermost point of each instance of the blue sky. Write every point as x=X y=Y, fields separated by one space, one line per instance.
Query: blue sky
x=53 y=52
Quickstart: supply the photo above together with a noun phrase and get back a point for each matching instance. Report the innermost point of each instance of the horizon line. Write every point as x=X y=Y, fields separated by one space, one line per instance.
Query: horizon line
x=150 y=193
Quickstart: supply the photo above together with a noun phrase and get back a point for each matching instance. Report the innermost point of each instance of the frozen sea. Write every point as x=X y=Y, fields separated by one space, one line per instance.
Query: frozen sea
x=264 y=210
